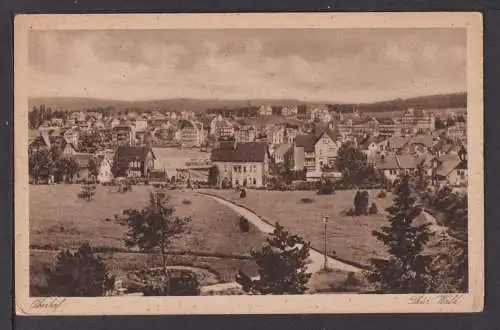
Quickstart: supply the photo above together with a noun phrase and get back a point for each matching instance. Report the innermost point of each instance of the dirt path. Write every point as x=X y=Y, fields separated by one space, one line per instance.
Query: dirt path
x=317 y=258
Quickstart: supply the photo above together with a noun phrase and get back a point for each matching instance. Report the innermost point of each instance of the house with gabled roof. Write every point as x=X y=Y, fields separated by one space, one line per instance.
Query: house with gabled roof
x=133 y=161
x=396 y=144
x=422 y=143
x=241 y=164
x=392 y=165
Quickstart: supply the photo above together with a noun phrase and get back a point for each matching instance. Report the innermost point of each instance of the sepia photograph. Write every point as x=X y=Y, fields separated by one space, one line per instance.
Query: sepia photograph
x=253 y=163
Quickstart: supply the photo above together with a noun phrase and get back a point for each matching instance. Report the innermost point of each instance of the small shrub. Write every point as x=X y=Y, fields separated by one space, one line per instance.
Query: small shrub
x=382 y=194
x=244 y=224
x=373 y=208
x=349 y=212
x=107 y=219
x=186 y=202
x=62 y=229
x=306 y=200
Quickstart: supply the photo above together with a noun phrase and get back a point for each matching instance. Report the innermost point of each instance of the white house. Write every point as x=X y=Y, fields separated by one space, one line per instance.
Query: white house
x=241 y=164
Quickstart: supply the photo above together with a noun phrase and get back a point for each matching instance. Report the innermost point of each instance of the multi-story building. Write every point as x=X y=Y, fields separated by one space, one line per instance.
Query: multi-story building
x=316 y=151
x=133 y=161
x=276 y=134
x=72 y=136
x=191 y=133
x=457 y=132
x=123 y=135
x=362 y=126
x=241 y=164
x=245 y=133
x=302 y=113
x=386 y=127
x=265 y=110
x=221 y=128
x=417 y=121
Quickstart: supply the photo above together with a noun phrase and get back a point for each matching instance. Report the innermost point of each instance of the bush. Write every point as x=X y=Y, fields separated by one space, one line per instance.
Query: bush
x=79 y=274
x=243 y=193
x=382 y=194
x=373 y=208
x=326 y=187
x=186 y=202
x=307 y=200
x=348 y=212
x=156 y=283
x=244 y=224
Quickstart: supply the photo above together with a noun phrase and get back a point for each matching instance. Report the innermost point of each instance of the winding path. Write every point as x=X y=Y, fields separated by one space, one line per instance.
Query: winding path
x=316 y=257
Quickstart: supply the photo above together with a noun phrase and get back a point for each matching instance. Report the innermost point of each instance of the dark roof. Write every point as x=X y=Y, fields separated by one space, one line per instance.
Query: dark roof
x=386 y=121
x=128 y=153
x=426 y=140
x=407 y=161
x=306 y=141
x=240 y=152
x=397 y=142
x=449 y=163
x=386 y=162
x=185 y=123
x=282 y=149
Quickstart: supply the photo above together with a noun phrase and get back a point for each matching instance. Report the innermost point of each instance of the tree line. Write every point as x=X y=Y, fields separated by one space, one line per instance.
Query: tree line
x=45 y=162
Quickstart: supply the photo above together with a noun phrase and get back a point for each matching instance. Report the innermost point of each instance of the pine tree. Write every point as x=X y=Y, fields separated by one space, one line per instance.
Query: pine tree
x=79 y=274
x=154 y=226
x=406 y=270
x=282 y=265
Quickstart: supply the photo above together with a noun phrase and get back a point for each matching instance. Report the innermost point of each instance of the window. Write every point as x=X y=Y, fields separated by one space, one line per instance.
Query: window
x=254 y=181
x=225 y=168
x=244 y=169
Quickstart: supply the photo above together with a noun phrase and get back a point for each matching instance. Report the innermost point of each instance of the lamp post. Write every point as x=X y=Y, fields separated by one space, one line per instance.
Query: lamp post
x=325 y=222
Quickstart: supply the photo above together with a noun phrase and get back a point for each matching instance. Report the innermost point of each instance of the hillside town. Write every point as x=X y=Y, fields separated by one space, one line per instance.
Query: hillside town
x=248 y=145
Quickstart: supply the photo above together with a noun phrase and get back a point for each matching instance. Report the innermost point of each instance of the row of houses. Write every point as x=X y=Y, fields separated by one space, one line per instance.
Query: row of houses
x=316 y=151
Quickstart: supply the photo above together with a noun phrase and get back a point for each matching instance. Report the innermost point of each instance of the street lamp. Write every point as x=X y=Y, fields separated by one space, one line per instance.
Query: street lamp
x=325 y=222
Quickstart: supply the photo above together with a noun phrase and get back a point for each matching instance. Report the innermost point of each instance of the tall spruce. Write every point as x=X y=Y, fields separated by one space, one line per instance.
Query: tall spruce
x=407 y=270
x=282 y=263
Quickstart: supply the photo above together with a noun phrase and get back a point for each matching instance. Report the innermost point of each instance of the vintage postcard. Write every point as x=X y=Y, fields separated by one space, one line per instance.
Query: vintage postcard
x=248 y=163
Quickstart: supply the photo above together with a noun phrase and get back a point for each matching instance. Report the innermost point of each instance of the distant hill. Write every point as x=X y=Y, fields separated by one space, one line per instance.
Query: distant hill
x=445 y=101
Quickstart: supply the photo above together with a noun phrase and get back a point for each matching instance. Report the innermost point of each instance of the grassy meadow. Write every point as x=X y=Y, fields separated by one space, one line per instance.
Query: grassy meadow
x=59 y=219
x=348 y=238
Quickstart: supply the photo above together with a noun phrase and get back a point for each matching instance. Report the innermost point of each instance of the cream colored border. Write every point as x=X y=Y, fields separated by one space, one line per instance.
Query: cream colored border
x=338 y=303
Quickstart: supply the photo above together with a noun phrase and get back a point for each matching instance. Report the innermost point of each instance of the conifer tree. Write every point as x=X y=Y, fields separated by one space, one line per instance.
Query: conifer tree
x=282 y=265
x=407 y=270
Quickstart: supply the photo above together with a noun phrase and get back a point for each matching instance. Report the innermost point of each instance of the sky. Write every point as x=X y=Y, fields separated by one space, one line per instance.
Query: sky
x=335 y=65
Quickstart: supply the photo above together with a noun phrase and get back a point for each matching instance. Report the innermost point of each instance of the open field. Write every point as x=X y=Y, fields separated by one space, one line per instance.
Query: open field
x=214 y=229
x=348 y=238
x=59 y=219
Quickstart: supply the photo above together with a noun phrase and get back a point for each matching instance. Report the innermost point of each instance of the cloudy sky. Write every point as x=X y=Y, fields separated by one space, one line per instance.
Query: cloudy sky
x=336 y=65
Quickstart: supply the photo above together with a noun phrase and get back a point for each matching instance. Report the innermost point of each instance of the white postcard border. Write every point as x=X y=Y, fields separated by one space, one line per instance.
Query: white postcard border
x=323 y=303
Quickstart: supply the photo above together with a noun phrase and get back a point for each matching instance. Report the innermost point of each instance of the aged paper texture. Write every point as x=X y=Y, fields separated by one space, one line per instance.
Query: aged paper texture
x=248 y=163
